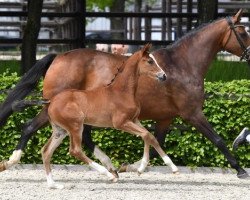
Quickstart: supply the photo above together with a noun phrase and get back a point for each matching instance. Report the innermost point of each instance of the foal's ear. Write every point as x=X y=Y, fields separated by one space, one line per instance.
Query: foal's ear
x=145 y=49
x=237 y=16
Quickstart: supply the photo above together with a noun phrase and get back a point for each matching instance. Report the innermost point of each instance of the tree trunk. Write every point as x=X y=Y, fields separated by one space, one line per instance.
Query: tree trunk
x=207 y=10
x=117 y=24
x=30 y=36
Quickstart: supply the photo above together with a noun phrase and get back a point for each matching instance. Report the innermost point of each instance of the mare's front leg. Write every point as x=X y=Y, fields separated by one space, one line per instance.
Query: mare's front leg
x=48 y=149
x=29 y=129
x=200 y=122
x=98 y=153
x=149 y=139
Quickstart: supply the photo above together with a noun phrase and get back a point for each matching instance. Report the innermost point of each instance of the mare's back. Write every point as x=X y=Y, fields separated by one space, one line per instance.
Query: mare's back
x=80 y=69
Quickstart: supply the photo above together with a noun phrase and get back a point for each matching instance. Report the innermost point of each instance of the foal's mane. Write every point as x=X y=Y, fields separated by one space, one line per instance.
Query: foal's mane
x=120 y=69
x=191 y=34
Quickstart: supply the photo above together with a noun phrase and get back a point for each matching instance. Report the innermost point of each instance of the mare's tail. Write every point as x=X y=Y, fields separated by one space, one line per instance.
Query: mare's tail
x=22 y=104
x=27 y=83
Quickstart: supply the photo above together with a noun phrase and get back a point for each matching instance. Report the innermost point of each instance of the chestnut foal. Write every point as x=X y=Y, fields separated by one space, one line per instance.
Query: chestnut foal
x=111 y=106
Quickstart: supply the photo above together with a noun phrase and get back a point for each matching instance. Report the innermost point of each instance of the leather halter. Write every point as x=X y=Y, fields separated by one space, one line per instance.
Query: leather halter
x=246 y=50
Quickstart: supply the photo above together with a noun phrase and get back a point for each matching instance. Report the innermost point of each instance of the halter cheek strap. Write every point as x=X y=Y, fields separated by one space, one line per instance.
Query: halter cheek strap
x=246 y=50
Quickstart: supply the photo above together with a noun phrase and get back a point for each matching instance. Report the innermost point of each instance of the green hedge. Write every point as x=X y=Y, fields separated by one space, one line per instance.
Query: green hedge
x=227 y=108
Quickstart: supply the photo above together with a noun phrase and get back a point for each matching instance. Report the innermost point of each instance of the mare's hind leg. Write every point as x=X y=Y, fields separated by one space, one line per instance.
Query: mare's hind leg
x=30 y=128
x=149 y=139
x=76 y=151
x=47 y=151
x=98 y=153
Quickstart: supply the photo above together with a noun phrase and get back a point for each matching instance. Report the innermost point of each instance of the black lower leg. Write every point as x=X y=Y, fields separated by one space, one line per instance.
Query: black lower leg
x=207 y=130
x=87 y=139
x=160 y=136
x=30 y=128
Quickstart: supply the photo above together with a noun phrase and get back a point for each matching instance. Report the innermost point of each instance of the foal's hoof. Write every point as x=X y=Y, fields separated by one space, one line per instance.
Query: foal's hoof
x=176 y=172
x=114 y=180
x=55 y=186
x=123 y=168
x=3 y=165
x=139 y=173
x=114 y=172
x=242 y=175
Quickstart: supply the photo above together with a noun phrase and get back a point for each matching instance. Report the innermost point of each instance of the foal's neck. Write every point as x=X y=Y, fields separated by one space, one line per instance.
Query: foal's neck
x=126 y=82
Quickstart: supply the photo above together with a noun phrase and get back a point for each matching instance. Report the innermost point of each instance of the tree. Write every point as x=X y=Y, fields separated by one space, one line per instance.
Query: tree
x=31 y=31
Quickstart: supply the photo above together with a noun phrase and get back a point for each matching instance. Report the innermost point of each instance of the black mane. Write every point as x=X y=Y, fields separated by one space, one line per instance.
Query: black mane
x=190 y=34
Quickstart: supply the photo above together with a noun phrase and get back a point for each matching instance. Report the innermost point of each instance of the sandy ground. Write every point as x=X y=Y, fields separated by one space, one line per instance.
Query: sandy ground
x=28 y=183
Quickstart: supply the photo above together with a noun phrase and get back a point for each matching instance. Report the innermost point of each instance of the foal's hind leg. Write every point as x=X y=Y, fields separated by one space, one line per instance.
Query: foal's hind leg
x=76 y=150
x=47 y=151
x=149 y=139
x=30 y=128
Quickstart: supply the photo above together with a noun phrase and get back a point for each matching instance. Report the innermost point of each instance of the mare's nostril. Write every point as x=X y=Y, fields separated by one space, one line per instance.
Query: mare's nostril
x=164 y=77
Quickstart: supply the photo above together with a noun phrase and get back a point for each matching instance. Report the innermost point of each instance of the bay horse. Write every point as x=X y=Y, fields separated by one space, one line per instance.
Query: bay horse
x=113 y=106
x=185 y=62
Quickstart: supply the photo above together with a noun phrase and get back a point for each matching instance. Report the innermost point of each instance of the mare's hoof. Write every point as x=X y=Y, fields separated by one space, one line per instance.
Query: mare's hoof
x=2 y=166
x=243 y=175
x=123 y=168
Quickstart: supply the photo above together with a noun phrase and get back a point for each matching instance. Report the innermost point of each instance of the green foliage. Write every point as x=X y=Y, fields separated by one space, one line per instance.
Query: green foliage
x=9 y=66
x=227 y=71
x=227 y=109
x=92 y=4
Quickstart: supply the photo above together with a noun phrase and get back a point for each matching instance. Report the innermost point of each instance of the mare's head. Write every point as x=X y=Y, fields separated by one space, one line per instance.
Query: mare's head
x=236 y=39
x=148 y=65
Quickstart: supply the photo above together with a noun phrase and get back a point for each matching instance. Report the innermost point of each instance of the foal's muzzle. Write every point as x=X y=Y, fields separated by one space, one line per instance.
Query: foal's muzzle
x=161 y=76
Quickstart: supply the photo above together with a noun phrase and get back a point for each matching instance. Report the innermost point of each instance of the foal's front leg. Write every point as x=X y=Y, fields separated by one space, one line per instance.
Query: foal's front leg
x=149 y=139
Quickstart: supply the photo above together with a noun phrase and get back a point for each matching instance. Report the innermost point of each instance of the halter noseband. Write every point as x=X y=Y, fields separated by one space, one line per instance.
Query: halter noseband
x=246 y=50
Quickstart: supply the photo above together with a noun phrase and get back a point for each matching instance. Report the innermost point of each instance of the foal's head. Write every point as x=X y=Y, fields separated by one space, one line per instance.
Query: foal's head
x=148 y=64
x=236 y=39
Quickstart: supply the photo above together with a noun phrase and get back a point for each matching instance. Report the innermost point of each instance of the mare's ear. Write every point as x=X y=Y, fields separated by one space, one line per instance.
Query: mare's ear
x=237 y=16
x=145 y=49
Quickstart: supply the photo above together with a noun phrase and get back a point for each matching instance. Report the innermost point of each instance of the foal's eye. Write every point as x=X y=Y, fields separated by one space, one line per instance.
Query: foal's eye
x=150 y=62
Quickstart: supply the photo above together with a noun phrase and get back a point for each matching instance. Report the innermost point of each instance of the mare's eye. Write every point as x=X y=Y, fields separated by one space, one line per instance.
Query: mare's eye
x=150 y=61
x=243 y=35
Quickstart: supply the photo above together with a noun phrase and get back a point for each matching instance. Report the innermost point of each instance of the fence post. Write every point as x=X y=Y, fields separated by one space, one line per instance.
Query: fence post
x=80 y=25
x=163 y=21
x=169 y=20
x=207 y=10
x=179 y=20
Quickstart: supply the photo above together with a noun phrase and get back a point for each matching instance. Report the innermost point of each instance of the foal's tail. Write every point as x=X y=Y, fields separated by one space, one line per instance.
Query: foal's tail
x=27 y=83
x=22 y=104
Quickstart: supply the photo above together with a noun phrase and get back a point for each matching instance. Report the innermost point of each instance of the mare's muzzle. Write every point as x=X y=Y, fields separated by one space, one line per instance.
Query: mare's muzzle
x=161 y=76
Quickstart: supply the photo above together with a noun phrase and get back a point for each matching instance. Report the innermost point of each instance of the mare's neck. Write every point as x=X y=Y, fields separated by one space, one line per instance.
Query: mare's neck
x=195 y=52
